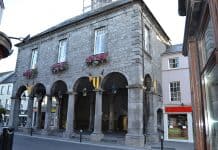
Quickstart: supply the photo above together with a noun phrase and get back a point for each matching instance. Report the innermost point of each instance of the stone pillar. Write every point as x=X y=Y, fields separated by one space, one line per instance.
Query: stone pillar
x=14 y=113
x=29 y=114
x=97 y=133
x=111 y=114
x=70 y=116
x=39 y=115
x=91 y=115
x=57 y=113
x=48 y=114
x=152 y=135
x=135 y=136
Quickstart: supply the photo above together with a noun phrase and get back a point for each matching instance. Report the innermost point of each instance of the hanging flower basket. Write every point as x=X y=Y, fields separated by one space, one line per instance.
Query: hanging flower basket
x=98 y=59
x=59 y=67
x=30 y=74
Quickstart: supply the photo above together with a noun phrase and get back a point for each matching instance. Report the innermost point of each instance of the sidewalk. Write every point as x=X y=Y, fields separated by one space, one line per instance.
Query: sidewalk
x=103 y=145
x=174 y=146
x=167 y=145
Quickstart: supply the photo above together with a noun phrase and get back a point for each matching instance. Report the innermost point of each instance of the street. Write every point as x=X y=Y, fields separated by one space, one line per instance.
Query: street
x=35 y=143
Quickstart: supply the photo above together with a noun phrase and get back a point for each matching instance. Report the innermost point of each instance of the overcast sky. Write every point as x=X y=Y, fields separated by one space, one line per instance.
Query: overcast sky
x=23 y=17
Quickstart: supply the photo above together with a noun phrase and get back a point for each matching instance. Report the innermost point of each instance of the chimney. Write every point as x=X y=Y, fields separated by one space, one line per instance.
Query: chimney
x=95 y=4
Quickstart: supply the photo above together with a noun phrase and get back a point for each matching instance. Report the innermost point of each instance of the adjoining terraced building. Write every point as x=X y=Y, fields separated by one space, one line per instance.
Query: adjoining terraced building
x=99 y=72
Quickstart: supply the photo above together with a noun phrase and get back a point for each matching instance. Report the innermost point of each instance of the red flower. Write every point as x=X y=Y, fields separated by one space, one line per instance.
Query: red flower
x=99 y=58
x=59 y=67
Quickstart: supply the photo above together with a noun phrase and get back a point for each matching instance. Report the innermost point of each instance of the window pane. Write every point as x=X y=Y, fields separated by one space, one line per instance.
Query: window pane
x=62 y=51
x=174 y=62
x=175 y=91
x=177 y=126
x=100 y=41
x=146 y=39
x=211 y=88
x=34 y=59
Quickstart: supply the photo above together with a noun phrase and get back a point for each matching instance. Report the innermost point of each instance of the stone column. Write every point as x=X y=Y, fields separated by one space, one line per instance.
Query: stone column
x=135 y=136
x=70 y=116
x=14 y=113
x=56 y=123
x=29 y=114
x=152 y=135
x=97 y=134
x=39 y=114
x=48 y=114
x=111 y=114
x=91 y=115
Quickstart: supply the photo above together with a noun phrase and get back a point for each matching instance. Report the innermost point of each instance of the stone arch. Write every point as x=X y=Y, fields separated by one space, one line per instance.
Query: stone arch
x=59 y=93
x=114 y=103
x=39 y=92
x=20 y=90
x=147 y=83
x=84 y=105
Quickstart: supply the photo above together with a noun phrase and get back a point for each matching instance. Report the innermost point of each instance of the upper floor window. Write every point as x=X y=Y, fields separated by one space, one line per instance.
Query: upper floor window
x=9 y=89
x=175 y=94
x=146 y=39
x=62 y=50
x=174 y=62
x=34 y=59
x=100 y=41
x=2 y=90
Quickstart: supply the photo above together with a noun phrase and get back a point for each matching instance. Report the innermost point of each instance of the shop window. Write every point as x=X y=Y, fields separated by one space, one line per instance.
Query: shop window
x=211 y=88
x=177 y=126
x=208 y=41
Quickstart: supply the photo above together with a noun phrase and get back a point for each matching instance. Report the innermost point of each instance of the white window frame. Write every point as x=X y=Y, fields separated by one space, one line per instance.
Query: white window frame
x=9 y=89
x=146 y=39
x=2 y=90
x=34 y=58
x=100 y=41
x=62 y=51
x=174 y=64
x=175 y=95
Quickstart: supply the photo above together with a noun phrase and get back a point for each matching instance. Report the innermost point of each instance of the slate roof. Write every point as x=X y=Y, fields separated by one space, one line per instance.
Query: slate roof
x=6 y=77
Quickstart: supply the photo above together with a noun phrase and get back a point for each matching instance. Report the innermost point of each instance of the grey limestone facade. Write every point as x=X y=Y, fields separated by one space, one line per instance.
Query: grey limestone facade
x=126 y=101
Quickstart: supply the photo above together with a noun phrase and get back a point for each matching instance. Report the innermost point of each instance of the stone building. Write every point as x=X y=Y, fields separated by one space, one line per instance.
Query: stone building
x=176 y=95
x=99 y=72
x=201 y=47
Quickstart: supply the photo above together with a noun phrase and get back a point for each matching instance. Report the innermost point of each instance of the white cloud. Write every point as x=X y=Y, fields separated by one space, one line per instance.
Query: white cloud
x=23 y=17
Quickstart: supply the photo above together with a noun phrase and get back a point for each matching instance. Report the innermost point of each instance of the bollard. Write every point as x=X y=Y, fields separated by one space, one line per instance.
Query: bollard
x=161 y=140
x=80 y=135
x=31 y=131
x=8 y=136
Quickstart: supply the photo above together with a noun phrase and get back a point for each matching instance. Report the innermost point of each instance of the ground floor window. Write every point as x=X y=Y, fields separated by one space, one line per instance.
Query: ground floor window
x=211 y=88
x=177 y=126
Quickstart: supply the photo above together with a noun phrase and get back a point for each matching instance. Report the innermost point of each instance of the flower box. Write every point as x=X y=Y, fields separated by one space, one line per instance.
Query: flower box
x=59 y=67
x=97 y=59
x=30 y=74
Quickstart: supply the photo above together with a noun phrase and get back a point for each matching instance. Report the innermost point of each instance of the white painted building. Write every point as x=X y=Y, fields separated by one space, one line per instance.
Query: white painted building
x=176 y=96
x=6 y=87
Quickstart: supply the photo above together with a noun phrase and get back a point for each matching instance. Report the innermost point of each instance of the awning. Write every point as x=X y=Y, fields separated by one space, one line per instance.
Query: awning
x=5 y=45
x=178 y=109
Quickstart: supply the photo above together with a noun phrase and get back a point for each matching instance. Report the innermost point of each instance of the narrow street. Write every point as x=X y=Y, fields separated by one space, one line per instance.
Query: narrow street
x=34 y=143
